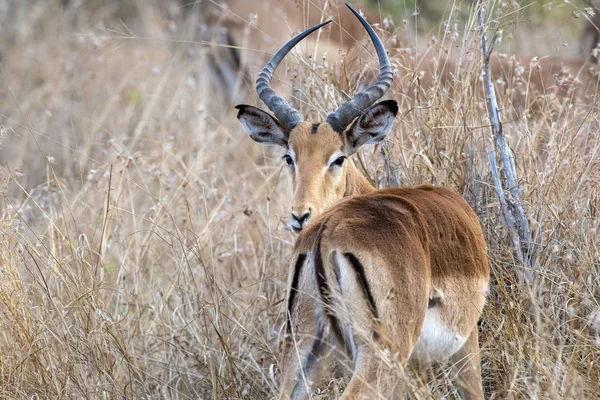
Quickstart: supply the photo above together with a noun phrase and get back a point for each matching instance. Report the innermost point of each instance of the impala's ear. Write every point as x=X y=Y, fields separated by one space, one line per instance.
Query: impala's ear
x=372 y=126
x=260 y=126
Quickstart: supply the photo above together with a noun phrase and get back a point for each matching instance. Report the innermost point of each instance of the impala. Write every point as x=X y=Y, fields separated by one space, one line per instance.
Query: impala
x=404 y=269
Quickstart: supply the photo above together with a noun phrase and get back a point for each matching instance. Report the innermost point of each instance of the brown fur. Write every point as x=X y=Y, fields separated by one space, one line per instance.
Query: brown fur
x=414 y=244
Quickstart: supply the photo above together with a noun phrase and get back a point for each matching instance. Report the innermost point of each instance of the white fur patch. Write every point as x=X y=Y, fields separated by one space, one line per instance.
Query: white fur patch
x=436 y=342
x=486 y=288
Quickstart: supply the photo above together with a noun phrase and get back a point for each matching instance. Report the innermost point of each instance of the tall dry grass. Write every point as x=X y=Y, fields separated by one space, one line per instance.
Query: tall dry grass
x=143 y=243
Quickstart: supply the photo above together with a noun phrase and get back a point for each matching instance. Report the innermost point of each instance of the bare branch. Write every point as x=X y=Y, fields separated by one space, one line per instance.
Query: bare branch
x=510 y=222
x=510 y=200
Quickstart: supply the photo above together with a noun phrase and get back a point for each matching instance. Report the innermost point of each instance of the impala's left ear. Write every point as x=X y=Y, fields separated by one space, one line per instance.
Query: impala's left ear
x=261 y=126
x=372 y=126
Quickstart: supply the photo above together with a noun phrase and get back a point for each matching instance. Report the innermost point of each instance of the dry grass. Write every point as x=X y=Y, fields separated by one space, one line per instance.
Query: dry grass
x=143 y=248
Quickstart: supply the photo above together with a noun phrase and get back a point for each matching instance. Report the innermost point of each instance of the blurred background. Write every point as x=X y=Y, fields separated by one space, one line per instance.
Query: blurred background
x=143 y=236
x=218 y=47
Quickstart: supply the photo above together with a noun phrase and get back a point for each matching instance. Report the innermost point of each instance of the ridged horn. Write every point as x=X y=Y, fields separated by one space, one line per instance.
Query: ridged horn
x=345 y=114
x=287 y=116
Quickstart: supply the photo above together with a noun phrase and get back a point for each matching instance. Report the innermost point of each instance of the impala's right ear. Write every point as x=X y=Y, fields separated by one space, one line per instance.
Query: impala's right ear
x=372 y=126
x=260 y=126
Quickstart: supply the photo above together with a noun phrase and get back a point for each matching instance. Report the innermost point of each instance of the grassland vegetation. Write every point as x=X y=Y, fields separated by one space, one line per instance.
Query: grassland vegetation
x=144 y=241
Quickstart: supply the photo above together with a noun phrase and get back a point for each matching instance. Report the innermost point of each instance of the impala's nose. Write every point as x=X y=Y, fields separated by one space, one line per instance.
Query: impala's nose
x=299 y=222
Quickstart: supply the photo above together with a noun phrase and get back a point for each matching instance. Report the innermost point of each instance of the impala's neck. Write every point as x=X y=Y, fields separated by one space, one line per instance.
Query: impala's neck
x=356 y=183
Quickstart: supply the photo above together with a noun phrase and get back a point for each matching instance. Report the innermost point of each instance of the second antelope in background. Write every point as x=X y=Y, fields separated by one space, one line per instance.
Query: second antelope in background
x=398 y=269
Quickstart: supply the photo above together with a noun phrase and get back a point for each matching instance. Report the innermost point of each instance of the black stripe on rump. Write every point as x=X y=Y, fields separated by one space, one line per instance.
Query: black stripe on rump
x=324 y=291
x=362 y=280
x=293 y=290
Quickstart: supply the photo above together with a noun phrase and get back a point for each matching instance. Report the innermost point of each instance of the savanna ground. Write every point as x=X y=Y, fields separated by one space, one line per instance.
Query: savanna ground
x=143 y=240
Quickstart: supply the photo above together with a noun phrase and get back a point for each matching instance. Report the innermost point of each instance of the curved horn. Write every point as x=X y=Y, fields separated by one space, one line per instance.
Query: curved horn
x=343 y=116
x=288 y=116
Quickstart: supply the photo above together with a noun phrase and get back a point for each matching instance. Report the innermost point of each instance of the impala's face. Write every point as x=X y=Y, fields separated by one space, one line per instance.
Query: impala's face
x=316 y=159
x=315 y=154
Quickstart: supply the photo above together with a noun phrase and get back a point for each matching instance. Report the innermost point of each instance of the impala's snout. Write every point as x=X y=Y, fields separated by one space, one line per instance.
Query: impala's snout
x=300 y=220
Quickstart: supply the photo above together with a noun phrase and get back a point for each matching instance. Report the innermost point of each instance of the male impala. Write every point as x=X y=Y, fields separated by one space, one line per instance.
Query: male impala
x=403 y=268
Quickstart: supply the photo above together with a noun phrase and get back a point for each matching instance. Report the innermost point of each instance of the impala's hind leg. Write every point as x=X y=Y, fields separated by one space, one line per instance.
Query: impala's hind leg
x=468 y=364
x=301 y=364
x=373 y=377
x=376 y=322
x=368 y=381
x=303 y=344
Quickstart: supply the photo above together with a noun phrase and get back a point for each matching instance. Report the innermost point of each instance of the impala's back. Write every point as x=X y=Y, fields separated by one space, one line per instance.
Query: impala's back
x=405 y=269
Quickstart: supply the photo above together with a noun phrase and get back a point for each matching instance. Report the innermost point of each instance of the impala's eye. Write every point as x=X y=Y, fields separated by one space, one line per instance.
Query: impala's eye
x=288 y=159
x=339 y=161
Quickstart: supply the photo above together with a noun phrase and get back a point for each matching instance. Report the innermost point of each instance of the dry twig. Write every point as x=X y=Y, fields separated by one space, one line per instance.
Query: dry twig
x=510 y=198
